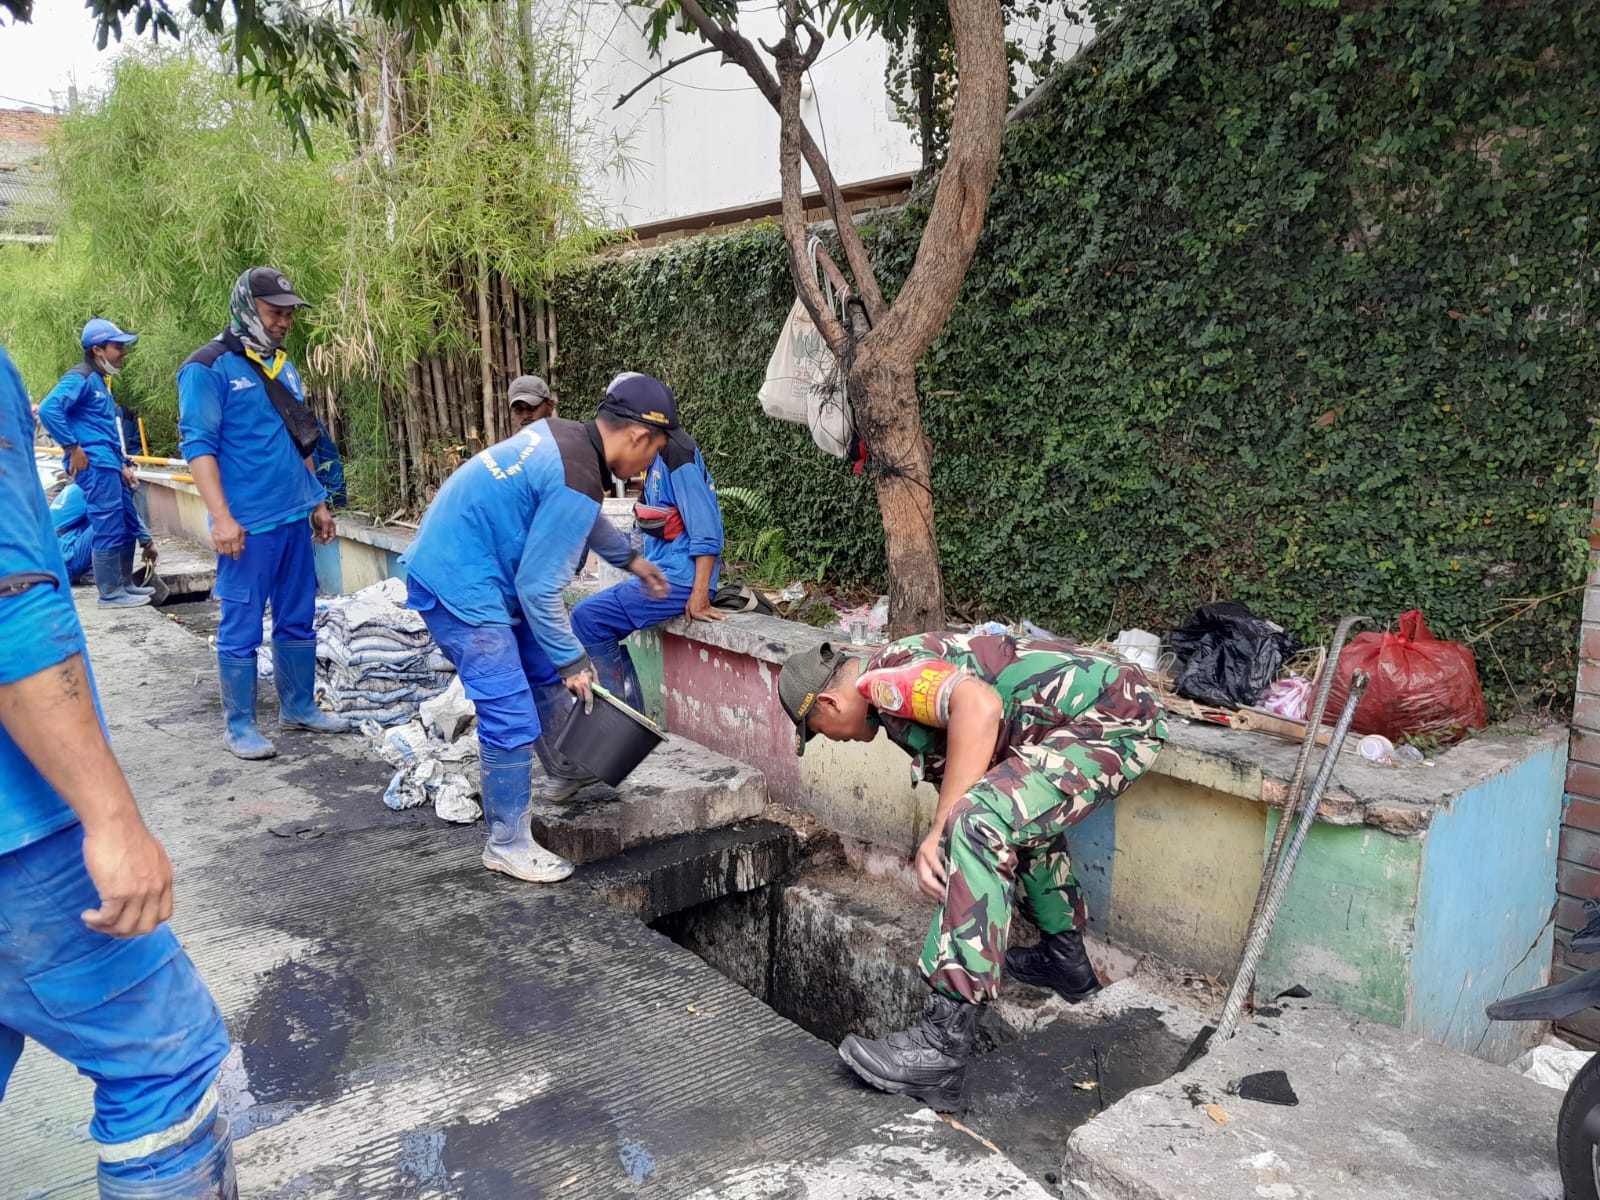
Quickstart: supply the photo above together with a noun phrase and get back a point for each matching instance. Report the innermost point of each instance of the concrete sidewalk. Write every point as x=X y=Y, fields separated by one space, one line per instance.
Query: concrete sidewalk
x=409 y=1025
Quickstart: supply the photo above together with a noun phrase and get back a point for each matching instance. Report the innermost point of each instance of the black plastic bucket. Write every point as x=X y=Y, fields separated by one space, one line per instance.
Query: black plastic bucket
x=610 y=741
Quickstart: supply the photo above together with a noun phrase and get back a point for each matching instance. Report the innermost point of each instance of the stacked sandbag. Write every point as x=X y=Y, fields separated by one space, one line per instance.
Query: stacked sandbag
x=376 y=660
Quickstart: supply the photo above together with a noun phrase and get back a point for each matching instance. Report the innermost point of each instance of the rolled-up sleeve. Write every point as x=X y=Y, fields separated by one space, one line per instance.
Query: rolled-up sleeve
x=199 y=411
x=697 y=505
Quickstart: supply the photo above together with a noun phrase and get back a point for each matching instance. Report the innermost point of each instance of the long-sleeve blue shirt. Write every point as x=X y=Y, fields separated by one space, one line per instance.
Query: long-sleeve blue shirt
x=509 y=528
x=38 y=623
x=679 y=478
x=79 y=411
x=224 y=411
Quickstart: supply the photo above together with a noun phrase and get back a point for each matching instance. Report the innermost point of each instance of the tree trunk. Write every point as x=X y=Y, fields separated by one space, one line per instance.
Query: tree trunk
x=889 y=420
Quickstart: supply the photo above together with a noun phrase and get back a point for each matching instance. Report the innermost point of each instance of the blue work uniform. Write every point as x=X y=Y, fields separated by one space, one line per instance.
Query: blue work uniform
x=678 y=480
x=132 y=1014
x=79 y=411
x=329 y=468
x=70 y=513
x=224 y=411
x=495 y=550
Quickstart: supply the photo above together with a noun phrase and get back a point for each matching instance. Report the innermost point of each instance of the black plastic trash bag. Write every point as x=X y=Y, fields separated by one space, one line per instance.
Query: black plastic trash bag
x=1230 y=655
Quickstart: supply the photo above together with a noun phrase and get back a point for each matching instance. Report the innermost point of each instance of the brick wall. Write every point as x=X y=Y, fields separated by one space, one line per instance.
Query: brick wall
x=1578 y=871
x=27 y=126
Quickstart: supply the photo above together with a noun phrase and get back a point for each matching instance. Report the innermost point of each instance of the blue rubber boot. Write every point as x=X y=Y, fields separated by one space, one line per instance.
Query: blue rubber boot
x=125 y=559
x=563 y=778
x=615 y=671
x=511 y=849
x=294 y=670
x=237 y=677
x=108 y=579
x=199 y=1169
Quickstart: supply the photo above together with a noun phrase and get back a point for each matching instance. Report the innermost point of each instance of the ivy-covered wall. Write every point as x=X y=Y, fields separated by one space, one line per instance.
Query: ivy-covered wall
x=1287 y=302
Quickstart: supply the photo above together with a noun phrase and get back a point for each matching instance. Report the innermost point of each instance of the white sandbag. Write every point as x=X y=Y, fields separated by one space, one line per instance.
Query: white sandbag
x=1551 y=1067
x=448 y=713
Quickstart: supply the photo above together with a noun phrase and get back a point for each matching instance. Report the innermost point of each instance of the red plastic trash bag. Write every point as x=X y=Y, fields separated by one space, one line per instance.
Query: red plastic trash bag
x=1420 y=685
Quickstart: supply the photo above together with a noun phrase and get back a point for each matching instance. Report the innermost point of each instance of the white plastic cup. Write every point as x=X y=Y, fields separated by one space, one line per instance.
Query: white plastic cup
x=1376 y=748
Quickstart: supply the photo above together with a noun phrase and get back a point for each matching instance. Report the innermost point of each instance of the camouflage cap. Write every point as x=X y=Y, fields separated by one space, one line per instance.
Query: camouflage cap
x=805 y=676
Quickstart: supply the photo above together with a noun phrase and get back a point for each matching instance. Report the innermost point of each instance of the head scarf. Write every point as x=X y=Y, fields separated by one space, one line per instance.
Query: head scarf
x=245 y=322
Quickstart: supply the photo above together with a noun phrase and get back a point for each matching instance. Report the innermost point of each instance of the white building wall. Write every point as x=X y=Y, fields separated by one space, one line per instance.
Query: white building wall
x=701 y=139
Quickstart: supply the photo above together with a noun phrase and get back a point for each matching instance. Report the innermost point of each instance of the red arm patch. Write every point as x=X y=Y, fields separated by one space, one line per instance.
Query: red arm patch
x=919 y=689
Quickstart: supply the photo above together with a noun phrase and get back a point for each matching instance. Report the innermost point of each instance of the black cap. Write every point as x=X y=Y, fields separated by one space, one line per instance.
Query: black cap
x=529 y=390
x=273 y=286
x=641 y=398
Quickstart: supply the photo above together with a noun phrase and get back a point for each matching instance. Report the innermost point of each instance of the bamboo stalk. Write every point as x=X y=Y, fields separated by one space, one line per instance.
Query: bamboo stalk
x=539 y=338
x=441 y=405
x=508 y=330
x=484 y=350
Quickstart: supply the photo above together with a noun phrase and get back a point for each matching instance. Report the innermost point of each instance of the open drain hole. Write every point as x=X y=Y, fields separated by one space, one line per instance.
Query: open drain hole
x=814 y=953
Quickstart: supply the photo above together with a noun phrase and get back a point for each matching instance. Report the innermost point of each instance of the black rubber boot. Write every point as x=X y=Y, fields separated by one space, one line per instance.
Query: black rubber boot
x=1059 y=962
x=928 y=1062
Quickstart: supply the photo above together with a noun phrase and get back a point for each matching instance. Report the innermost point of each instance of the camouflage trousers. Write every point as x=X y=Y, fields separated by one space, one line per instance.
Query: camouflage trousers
x=1011 y=826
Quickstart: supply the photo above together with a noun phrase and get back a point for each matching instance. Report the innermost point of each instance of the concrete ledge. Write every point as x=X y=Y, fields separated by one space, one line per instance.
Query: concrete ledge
x=663 y=878
x=681 y=788
x=1380 y=1116
x=1256 y=766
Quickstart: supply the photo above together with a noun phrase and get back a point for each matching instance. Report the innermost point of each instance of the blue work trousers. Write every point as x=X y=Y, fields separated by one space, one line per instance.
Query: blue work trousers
x=132 y=1014
x=605 y=618
x=499 y=665
x=277 y=568
x=113 y=519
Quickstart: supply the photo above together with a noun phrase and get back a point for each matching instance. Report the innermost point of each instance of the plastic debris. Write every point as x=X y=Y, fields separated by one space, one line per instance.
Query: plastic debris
x=1551 y=1066
x=992 y=627
x=1267 y=1087
x=1140 y=647
x=429 y=770
x=1230 y=655
x=1289 y=698
x=795 y=591
x=1216 y=1113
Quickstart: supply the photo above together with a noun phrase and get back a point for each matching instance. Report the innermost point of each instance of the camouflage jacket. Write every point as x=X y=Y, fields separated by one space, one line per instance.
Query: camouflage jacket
x=1044 y=684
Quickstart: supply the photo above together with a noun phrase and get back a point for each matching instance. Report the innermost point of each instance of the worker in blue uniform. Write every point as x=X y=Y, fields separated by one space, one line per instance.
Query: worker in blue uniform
x=88 y=967
x=682 y=526
x=81 y=416
x=495 y=550
x=244 y=427
x=70 y=513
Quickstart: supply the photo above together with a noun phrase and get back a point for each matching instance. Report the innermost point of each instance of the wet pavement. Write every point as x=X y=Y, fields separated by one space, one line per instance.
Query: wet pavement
x=409 y=1025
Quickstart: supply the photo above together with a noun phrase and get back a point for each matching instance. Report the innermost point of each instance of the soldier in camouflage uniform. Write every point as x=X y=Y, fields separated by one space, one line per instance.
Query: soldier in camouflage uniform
x=1023 y=737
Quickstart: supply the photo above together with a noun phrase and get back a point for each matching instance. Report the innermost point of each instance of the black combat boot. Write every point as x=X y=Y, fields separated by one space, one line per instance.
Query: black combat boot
x=928 y=1062
x=1058 y=962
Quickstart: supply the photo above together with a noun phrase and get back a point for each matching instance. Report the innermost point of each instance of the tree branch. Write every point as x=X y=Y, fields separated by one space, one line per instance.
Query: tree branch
x=791 y=65
x=654 y=75
x=956 y=217
x=737 y=47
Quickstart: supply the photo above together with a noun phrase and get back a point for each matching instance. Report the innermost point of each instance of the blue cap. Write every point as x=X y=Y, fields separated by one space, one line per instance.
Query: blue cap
x=641 y=398
x=100 y=331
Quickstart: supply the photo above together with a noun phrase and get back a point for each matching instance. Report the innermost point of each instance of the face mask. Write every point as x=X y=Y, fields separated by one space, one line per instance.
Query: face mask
x=107 y=369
